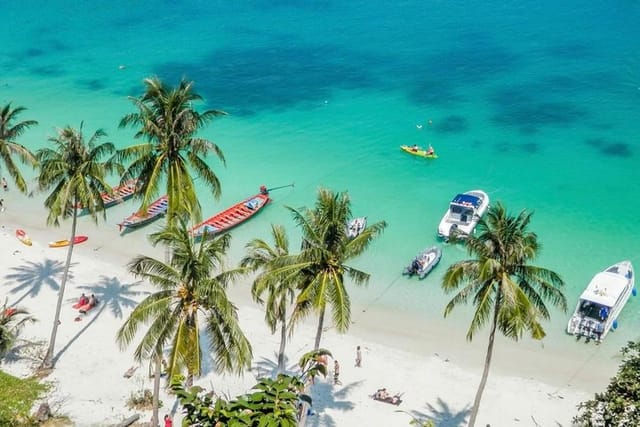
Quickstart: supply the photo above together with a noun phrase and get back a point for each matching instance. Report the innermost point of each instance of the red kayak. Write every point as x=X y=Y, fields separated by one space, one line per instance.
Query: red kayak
x=66 y=242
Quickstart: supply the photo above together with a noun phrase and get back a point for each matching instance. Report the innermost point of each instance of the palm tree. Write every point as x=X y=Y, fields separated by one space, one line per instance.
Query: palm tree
x=280 y=289
x=12 y=320
x=322 y=263
x=9 y=131
x=76 y=173
x=506 y=290
x=191 y=287
x=168 y=124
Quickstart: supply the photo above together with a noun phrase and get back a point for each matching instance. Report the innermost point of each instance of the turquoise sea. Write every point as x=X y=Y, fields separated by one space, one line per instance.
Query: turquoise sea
x=537 y=103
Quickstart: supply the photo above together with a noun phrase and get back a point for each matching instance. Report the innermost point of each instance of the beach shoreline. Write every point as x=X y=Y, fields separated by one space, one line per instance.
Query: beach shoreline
x=430 y=363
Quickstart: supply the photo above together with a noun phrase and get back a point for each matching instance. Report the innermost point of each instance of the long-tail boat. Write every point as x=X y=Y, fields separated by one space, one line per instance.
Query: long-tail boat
x=233 y=216
x=155 y=210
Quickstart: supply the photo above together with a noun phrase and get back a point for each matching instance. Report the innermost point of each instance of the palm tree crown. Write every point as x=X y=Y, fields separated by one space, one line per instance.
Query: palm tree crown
x=191 y=287
x=505 y=289
x=76 y=173
x=279 y=288
x=171 y=148
x=9 y=132
x=322 y=263
x=12 y=320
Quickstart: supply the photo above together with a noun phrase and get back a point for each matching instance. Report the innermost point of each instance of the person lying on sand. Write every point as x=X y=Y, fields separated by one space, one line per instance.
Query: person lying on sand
x=383 y=395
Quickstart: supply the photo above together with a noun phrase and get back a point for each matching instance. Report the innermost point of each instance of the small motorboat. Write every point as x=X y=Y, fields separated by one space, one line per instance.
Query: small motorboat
x=602 y=301
x=356 y=226
x=463 y=214
x=424 y=262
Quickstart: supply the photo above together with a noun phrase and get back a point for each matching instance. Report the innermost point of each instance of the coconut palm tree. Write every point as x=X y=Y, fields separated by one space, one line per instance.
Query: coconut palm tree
x=280 y=289
x=323 y=261
x=9 y=132
x=12 y=320
x=171 y=149
x=190 y=298
x=75 y=173
x=505 y=289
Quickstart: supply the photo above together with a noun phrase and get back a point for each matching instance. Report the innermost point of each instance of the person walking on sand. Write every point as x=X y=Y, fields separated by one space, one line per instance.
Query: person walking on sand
x=168 y=422
x=336 y=373
x=358 y=357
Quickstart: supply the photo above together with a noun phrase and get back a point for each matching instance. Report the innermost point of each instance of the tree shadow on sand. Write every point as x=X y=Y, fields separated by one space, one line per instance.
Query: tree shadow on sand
x=32 y=276
x=443 y=415
x=269 y=367
x=332 y=400
x=111 y=295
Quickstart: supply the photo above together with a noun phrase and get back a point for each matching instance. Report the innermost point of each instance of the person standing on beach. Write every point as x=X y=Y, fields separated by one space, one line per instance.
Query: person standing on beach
x=358 y=357
x=168 y=422
x=4 y=184
x=336 y=373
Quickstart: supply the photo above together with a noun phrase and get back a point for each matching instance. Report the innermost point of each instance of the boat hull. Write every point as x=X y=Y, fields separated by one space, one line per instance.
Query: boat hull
x=356 y=226
x=601 y=303
x=424 y=263
x=231 y=217
x=121 y=193
x=463 y=224
x=419 y=152
x=155 y=210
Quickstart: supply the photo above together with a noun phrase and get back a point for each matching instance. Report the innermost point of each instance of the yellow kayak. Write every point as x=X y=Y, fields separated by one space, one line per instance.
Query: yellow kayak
x=418 y=152
x=23 y=237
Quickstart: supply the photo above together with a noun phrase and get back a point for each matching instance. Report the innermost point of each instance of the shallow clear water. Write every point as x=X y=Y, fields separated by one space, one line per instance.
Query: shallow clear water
x=537 y=104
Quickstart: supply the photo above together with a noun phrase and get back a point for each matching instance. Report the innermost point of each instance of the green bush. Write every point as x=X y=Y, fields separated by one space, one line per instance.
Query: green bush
x=17 y=397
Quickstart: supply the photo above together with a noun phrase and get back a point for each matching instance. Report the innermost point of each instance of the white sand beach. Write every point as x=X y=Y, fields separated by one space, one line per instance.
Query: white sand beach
x=435 y=370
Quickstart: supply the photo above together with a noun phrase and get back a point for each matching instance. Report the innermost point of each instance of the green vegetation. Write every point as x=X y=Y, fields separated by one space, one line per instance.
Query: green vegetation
x=271 y=402
x=12 y=320
x=171 y=149
x=9 y=131
x=190 y=287
x=77 y=175
x=322 y=264
x=505 y=289
x=17 y=397
x=619 y=405
x=280 y=289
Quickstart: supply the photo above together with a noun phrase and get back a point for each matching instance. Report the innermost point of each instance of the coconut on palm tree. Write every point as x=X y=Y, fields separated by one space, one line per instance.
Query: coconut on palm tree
x=12 y=320
x=190 y=299
x=280 y=288
x=323 y=263
x=75 y=173
x=10 y=130
x=507 y=291
x=170 y=148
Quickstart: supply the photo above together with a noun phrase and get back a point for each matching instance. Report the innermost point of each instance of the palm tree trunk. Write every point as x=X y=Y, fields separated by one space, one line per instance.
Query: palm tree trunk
x=155 y=417
x=320 y=327
x=48 y=361
x=485 y=372
x=283 y=340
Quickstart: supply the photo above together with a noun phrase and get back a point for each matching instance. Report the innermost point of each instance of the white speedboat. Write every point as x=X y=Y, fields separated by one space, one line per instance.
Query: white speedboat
x=424 y=262
x=465 y=210
x=356 y=225
x=602 y=301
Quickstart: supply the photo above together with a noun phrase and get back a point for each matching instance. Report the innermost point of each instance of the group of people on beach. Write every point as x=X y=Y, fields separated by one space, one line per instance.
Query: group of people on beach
x=85 y=303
